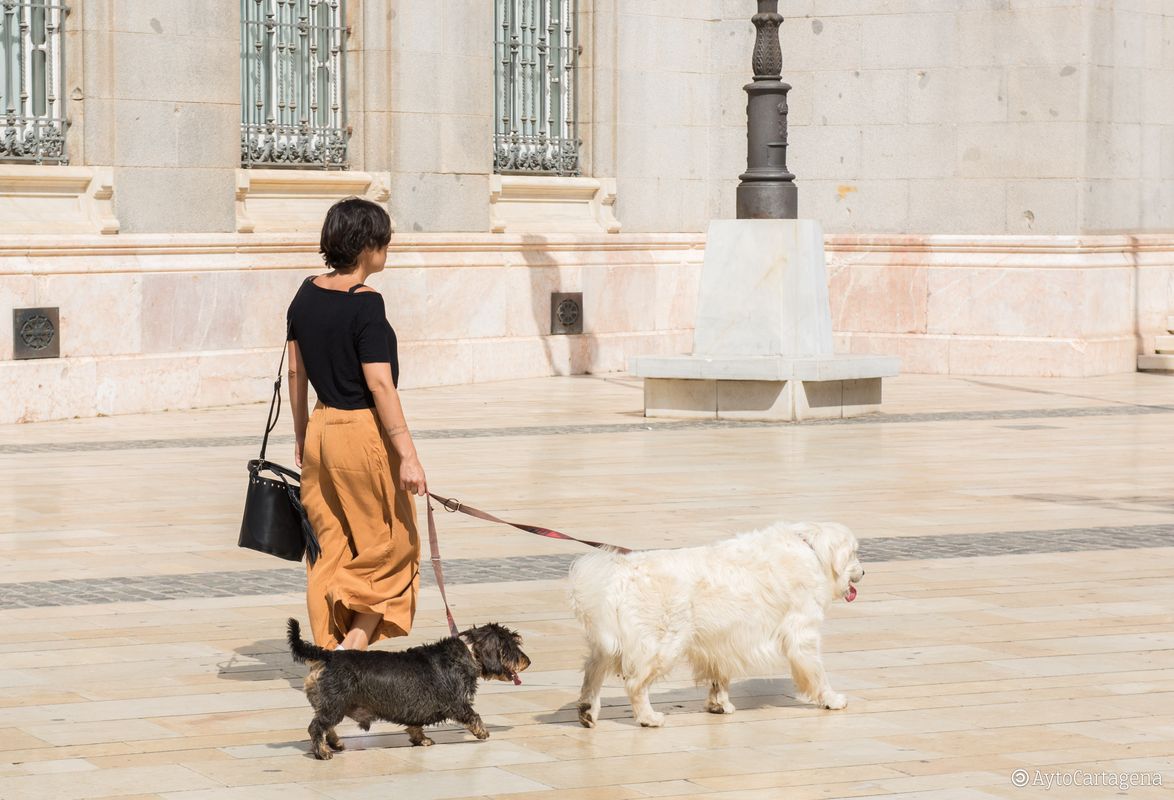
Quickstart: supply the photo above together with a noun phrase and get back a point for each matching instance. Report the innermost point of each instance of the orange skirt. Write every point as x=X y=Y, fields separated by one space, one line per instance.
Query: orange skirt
x=370 y=560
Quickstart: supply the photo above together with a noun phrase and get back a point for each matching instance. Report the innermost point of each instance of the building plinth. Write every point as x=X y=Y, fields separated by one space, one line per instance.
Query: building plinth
x=762 y=347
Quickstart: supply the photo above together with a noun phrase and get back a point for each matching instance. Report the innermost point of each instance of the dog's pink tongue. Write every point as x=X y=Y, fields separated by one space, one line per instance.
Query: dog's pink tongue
x=517 y=680
x=850 y=595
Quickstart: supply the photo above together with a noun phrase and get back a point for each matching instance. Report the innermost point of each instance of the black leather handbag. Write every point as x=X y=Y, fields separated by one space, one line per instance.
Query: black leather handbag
x=275 y=521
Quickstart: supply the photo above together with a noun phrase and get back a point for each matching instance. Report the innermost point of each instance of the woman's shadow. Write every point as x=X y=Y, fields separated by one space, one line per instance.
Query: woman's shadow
x=266 y=660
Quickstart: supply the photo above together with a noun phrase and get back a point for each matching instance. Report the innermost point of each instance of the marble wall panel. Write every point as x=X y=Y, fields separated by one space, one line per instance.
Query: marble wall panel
x=528 y=296
x=151 y=383
x=16 y=291
x=434 y=363
x=458 y=303
x=1004 y=302
x=919 y=353
x=619 y=299
x=194 y=311
x=676 y=295
x=49 y=388
x=1106 y=302
x=1040 y=357
x=889 y=299
x=99 y=314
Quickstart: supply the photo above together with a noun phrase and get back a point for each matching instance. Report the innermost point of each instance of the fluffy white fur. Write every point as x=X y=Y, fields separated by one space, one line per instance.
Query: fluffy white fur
x=730 y=609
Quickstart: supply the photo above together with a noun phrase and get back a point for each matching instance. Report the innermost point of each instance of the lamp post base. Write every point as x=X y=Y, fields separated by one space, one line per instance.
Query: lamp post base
x=767 y=200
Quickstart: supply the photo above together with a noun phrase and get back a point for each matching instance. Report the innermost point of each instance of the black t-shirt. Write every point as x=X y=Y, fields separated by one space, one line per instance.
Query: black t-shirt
x=337 y=332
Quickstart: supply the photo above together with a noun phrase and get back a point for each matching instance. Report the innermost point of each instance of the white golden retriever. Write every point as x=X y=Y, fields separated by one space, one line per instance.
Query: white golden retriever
x=730 y=609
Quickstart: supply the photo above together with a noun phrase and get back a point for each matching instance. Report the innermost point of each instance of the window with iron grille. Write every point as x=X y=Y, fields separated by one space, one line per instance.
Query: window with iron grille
x=293 y=83
x=32 y=81
x=536 y=58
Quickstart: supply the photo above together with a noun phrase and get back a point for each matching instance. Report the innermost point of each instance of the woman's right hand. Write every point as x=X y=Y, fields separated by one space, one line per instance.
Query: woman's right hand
x=411 y=476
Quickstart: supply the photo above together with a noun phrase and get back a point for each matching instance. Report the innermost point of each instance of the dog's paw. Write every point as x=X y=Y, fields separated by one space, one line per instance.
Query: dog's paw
x=720 y=708
x=425 y=742
x=834 y=701
x=365 y=725
x=586 y=716
x=336 y=746
x=653 y=720
x=323 y=754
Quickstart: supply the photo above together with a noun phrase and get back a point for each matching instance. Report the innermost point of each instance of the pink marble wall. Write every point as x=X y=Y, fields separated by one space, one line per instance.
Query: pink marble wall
x=154 y=322
x=1002 y=305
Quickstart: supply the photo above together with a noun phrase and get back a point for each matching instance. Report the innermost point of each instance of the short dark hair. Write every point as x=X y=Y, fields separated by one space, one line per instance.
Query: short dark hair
x=352 y=226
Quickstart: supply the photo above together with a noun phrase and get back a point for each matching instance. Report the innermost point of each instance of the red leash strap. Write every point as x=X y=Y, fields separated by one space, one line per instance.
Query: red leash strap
x=451 y=505
x=437 y=569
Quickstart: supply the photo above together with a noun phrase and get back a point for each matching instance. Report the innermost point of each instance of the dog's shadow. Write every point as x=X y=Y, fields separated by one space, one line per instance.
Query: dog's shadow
x=269 y=660
x=747 y=695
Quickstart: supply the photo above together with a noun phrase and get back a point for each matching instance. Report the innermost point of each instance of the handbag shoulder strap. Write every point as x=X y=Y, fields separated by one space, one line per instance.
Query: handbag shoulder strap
x=275 y=403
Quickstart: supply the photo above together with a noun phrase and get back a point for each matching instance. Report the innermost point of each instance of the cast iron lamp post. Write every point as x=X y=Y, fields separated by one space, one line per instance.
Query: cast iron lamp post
x=767 y=190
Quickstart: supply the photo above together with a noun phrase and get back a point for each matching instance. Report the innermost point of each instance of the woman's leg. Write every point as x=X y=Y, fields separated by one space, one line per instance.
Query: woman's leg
x=362 y=629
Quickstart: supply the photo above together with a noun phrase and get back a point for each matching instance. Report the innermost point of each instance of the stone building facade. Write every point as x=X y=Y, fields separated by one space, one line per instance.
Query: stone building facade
x=996 y=178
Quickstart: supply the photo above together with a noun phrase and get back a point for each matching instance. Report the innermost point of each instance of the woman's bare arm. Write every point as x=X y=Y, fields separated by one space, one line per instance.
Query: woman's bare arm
x=391 y=417
x=299 y=394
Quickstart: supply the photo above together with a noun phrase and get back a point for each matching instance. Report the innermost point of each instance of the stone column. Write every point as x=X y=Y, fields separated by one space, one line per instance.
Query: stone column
x=166 y=103
x=440 y=125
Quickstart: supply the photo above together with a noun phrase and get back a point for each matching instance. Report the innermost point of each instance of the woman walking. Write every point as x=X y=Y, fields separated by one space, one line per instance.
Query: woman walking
x=359 y=465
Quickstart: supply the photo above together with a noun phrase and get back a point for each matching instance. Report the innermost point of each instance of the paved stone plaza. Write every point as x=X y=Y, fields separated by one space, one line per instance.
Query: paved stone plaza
x=1018 y=536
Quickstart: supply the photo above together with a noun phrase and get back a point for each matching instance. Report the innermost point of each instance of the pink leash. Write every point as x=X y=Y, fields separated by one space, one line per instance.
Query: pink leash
x=452 y=506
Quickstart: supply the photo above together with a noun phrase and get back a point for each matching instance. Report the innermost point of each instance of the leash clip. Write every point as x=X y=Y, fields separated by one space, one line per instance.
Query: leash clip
x=455 y=505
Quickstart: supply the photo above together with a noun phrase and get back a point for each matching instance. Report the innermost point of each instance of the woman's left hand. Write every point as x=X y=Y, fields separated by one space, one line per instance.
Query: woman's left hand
x=411 y=477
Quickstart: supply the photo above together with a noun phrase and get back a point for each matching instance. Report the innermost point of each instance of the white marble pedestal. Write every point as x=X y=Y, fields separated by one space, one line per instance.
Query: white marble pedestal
x=762 y=347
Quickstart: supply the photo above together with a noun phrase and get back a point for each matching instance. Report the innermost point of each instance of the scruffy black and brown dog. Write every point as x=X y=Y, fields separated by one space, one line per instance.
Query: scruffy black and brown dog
x=420 y=686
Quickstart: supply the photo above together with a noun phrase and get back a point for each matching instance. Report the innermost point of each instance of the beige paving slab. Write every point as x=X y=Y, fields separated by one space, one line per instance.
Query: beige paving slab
x=66 y=733
x=301 y=768
x=433 y=786
x=284 y=791
x=55 y=766
x=647 y=767
x=591 y=793
x=102 y=783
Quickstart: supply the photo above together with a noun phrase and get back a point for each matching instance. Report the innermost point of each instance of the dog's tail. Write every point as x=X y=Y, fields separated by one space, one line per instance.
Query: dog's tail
x=302 y=650
x=596 y=597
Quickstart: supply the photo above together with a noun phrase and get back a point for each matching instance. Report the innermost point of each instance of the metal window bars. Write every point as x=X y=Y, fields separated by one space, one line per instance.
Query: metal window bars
x=536 y=127
x=32 y=81
x=293 y=83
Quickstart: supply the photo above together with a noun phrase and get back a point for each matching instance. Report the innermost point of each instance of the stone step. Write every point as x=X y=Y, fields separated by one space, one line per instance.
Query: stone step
x=1165 y=344
x=1170 y=324
x=1158 y=363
